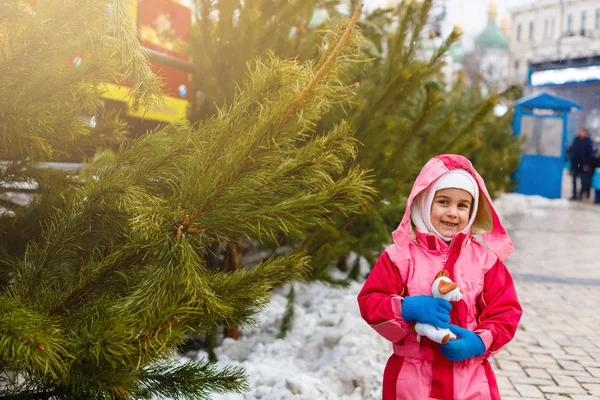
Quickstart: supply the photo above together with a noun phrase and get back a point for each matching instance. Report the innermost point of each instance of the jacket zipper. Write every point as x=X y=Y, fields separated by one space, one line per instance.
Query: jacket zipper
x=445 y=254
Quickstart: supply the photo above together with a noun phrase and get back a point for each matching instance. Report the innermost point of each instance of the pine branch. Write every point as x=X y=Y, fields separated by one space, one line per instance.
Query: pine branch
x=417 y=28
x=31 y=338
x=79 y=295
x=145 y=85
x=192 y=380
x=328 y=62
x=188 y=219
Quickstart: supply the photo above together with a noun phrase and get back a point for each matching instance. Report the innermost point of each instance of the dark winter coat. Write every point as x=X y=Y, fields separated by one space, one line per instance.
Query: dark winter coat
x=581 y=153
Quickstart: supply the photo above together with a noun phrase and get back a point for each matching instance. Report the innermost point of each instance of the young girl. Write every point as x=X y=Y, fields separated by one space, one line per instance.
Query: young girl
x=448 y=204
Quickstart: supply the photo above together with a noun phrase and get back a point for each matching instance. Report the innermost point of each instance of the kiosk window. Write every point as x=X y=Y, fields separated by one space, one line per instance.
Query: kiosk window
x=543 y=136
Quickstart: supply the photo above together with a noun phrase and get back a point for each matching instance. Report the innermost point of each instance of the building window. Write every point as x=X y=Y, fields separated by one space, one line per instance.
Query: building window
x=516 y=65
x=546 y=29
x=570 y=25
x=552 y=27
x=518 y=32
x=583 y=22
x=597 y=23
x=531 y=30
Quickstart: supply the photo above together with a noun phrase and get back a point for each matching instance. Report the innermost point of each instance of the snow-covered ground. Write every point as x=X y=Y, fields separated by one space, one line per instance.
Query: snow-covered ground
x=330 y=352
x=513 y=204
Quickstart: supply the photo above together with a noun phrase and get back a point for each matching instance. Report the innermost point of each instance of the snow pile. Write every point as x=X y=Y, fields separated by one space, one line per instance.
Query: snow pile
x=330 y=352
x=514 y=204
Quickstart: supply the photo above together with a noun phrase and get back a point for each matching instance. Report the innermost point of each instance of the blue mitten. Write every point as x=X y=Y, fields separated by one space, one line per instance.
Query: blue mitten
x=427 y=310
x=468 y=345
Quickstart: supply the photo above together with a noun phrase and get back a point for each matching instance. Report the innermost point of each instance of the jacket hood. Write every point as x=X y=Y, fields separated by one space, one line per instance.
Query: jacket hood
x=486 y=222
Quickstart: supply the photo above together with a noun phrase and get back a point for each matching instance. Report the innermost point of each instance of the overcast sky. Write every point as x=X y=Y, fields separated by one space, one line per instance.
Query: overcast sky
x=470 y=14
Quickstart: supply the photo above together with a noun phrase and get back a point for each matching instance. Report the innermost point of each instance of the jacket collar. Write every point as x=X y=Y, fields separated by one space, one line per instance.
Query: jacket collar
x=434 y=243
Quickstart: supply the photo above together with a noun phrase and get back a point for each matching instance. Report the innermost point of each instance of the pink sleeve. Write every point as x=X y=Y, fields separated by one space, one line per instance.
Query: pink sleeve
x=380 y=300
x=500 y=309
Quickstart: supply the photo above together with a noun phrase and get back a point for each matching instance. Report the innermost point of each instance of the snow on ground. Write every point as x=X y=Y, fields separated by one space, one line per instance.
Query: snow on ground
x=518 y=204
x=330 y=352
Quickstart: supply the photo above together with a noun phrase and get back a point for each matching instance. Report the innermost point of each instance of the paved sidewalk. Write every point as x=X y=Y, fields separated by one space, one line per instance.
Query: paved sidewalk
x=556 y=266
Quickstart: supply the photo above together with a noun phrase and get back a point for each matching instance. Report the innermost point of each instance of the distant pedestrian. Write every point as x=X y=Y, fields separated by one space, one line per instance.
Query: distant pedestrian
x=581 y=156
x=447 y=206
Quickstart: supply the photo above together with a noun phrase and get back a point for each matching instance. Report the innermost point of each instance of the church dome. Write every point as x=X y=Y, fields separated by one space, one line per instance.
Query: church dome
x=491 y=37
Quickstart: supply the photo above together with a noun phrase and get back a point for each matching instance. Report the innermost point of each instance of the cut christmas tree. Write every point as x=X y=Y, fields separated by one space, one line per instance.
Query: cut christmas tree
x=95 y=300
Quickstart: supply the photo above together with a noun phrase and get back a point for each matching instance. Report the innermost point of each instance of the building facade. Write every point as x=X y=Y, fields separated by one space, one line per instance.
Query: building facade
x=555 y=48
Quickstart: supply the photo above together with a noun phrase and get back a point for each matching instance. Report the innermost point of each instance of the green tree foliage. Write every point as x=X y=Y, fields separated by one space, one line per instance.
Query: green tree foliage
x=403 y=114
x=80 y=45
x=230 y=34
x=227 y=38
x=94 y=305
x=54 y=58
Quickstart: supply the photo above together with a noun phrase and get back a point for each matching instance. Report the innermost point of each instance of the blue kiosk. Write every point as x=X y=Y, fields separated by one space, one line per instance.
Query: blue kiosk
x=542 y=120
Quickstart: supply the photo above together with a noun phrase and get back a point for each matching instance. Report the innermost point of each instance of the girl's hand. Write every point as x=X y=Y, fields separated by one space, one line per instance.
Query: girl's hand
x=426 y=310
x=468 y=345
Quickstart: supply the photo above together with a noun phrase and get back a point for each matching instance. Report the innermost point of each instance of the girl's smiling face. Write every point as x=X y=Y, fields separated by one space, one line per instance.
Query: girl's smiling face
x=450 y=211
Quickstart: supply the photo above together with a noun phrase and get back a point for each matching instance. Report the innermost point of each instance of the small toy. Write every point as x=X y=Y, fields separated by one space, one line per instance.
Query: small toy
x=442 y=288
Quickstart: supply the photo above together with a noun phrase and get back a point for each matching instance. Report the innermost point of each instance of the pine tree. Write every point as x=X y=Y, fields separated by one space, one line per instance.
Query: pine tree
x=95 y=303
x=229 y=36
x=403 y=114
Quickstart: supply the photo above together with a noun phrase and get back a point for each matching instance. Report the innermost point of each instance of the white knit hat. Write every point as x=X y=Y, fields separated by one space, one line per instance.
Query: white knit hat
x=459 y=179
x=456 y=178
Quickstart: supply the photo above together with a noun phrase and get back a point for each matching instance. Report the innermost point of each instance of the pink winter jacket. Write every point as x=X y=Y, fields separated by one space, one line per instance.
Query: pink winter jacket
x=418 y=370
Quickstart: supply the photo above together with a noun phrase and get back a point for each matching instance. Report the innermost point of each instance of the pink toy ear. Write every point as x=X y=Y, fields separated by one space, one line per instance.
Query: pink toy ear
x=442 y=273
